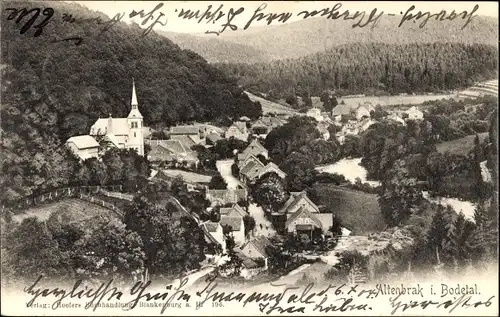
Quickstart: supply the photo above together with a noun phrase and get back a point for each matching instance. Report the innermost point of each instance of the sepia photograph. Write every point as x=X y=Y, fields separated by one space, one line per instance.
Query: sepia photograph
x=249 y=158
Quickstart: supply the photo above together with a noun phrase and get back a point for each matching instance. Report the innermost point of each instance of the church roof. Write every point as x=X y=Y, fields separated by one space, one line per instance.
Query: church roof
x=83 y=142
x=186 y=129
x=118 y=126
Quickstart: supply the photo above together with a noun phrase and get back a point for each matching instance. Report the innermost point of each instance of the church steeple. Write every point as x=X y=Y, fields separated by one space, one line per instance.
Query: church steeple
x=134 y=112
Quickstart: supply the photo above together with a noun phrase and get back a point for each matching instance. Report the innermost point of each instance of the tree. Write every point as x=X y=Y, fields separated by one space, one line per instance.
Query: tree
x=249 y=223
x=269 y=191
x=400 y=195
x=110 y=250
x=235 y=170
x=217 y=182
x=172 y=243
x=33 y=252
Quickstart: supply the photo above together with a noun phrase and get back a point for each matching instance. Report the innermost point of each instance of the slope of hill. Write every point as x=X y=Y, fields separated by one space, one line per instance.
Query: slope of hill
x=372 y=68
x=313 y=35
x=53 y=89
x=218 y=51
x=74 y=210
x=271 y=107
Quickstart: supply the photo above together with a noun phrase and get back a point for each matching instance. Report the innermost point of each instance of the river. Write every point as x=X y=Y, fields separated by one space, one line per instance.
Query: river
x=351 y=169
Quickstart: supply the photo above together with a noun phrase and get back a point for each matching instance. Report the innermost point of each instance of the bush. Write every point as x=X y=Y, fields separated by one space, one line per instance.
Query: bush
x=235 y=170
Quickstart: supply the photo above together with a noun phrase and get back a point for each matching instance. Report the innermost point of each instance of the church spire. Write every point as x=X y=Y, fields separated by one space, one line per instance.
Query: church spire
x=134 y=102
x=134 y=112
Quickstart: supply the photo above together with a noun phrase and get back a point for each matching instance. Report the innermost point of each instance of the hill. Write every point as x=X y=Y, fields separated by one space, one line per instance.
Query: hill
x=271 y=107
x=53 y=89
x=372 y=68
x=218 y=51
x=313 y=35
x=358 y=211
x=461 y=146
x=74 y=210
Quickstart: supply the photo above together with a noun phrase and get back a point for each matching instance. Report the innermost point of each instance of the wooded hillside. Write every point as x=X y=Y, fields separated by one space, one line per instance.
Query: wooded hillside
x=372 y=68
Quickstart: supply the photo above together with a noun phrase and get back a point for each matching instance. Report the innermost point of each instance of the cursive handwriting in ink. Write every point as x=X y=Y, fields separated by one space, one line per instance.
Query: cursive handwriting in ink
x=334 y=14
x=462 y=301
x=77 y=40
x=139 y=290
x=270 y=17
x=441 y=16
x=21 y=13
x=87 y=292
x=149 y=16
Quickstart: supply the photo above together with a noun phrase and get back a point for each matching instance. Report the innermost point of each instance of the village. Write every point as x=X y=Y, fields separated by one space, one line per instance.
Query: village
x=174 y=156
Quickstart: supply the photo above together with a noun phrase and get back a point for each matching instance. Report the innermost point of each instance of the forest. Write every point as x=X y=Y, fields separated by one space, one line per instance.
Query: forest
x=54 y=90
x=371 y=68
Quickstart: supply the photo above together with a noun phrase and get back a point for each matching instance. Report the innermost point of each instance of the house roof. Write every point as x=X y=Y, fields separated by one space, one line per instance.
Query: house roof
x=208 y=236
x=112 y=138
x=83 y=142
x=251 y=168
x=184 y=129
x=214 y=137
x=240 y=126
x=271 y=167
x=295 y=197
x=235 y=222
x=116 y=126
x=301 y=211
x=235 y=207
x=211 y=226
x=262 y=244
x=227 y=195
x=245 y=159
x=254 y=148
x=186 y=140
x=341 y=109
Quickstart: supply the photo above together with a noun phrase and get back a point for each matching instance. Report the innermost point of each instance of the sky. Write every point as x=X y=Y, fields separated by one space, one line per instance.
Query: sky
x=176 y=24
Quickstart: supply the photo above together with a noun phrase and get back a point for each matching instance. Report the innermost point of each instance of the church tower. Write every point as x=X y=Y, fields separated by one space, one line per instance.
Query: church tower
x=135 y=120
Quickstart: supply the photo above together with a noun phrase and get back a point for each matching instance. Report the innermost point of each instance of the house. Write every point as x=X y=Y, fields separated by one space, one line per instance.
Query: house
x=305 y=221
x=212 y=138
x=259 y=127
x=303 y=216
x=258 y=248
x=238 y=130
x=234 y=211
x=226 y=196
x=171 y=151
x=269 y=168
x=395 y=117
x=315 y=113
x=255 y=149
x=296 y=201
x=250 y=268
x=266 y=124
x=365 y=124
x=250 y=168
x=235 y=226
x=339 y=110
x=322 y=127
x=361 y=113
x=126 y=133
x=188 y=134
x=414 y=114
x=214 y=235
x=83 y=146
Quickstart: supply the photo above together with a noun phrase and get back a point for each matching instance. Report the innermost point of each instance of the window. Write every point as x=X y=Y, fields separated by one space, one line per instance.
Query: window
x=135 y=135
x=134 y=125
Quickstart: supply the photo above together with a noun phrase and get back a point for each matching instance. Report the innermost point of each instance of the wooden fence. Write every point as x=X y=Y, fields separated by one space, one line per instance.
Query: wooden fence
x=83 y=192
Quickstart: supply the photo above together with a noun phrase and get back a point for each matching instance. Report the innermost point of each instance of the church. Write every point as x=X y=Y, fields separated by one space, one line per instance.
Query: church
x=123 y=133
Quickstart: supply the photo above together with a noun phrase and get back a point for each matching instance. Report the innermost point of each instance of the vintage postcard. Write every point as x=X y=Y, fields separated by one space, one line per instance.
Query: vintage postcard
x=302 y=158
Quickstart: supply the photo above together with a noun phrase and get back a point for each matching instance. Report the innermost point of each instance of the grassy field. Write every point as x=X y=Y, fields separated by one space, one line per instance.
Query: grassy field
x=269 y=106
x=358 y=211
x=188 y=176
x=77 y=210
x=460 y=146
